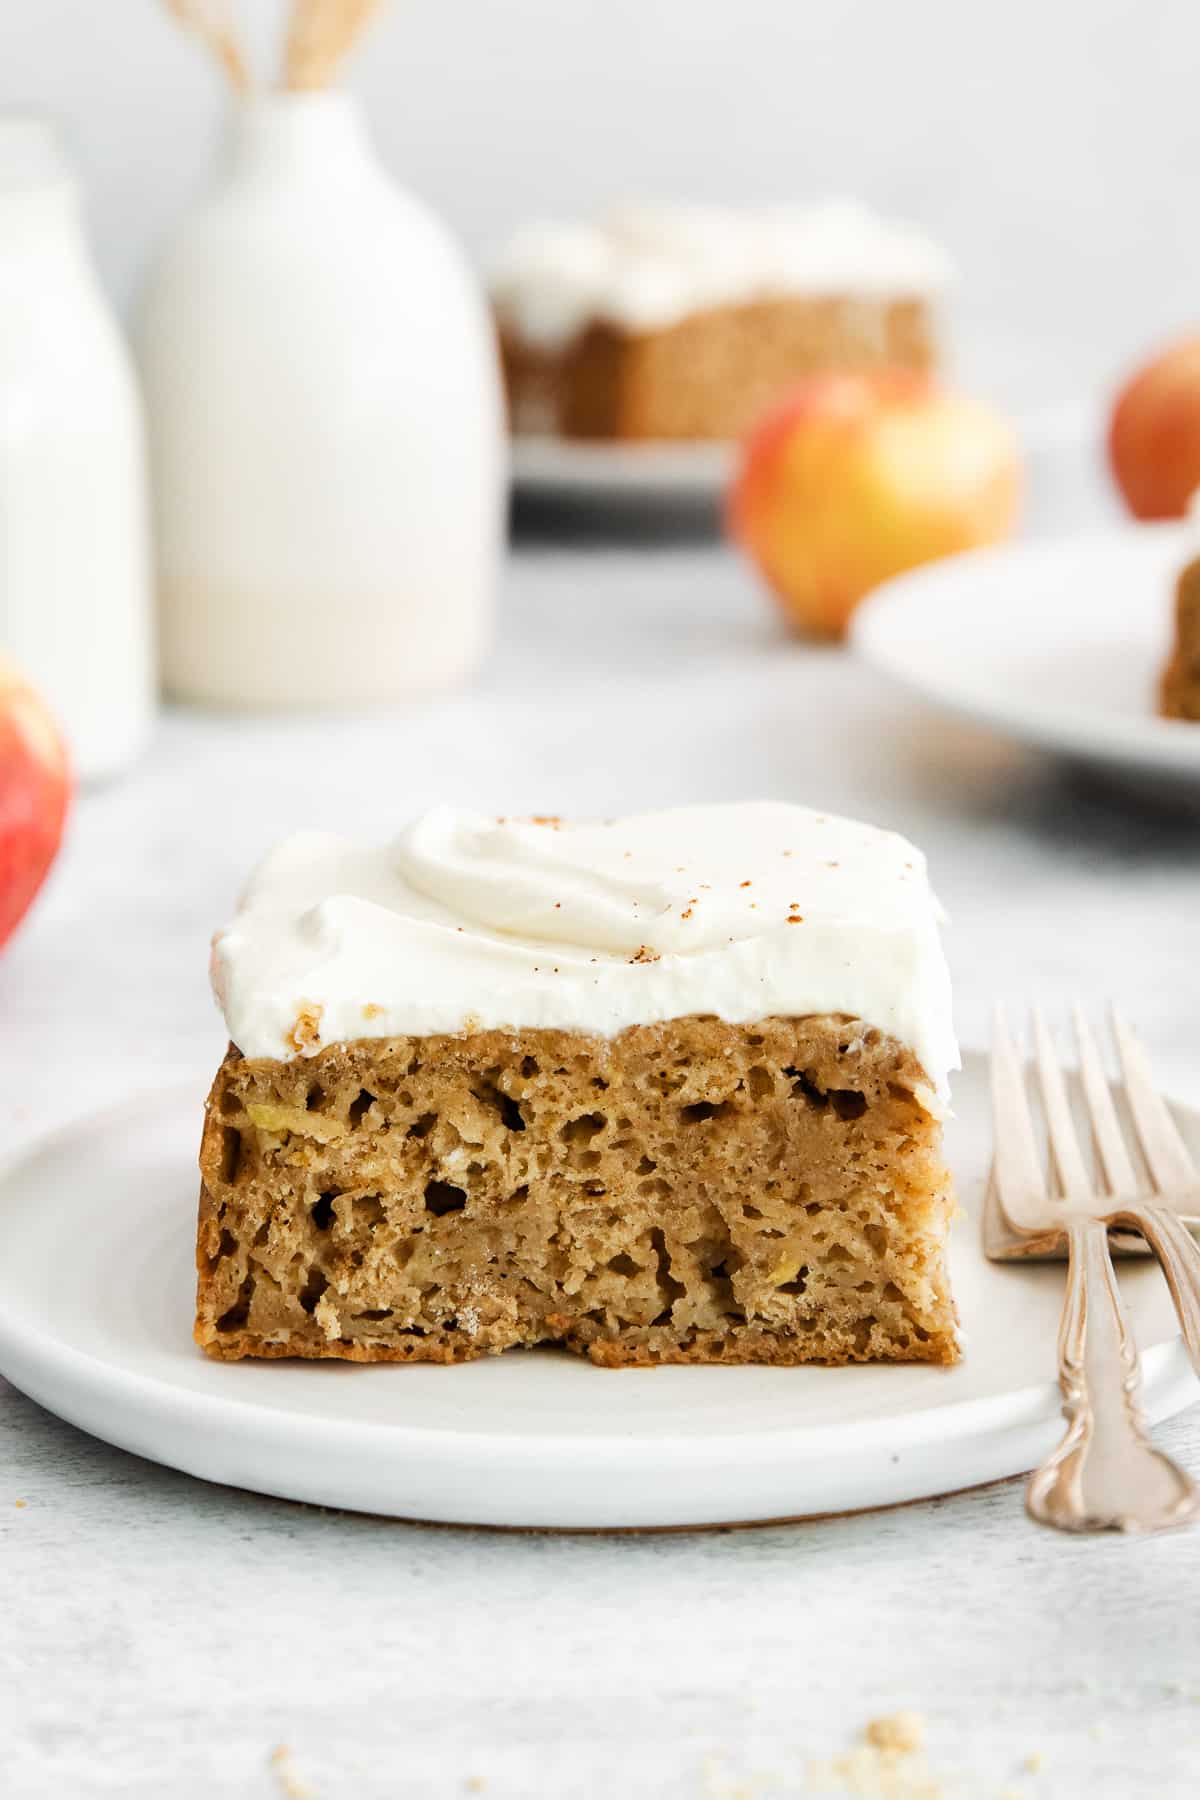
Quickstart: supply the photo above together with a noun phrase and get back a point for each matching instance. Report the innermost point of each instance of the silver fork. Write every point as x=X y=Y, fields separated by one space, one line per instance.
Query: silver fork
x=1105 y=1474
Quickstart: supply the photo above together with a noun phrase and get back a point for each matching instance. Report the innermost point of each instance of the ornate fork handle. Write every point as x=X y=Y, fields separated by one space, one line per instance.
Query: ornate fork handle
x=1179 y=1254
x=1105 y=1472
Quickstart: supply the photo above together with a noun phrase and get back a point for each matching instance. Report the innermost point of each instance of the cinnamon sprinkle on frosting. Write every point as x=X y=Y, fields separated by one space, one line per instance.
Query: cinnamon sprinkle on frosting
x=305 y=1036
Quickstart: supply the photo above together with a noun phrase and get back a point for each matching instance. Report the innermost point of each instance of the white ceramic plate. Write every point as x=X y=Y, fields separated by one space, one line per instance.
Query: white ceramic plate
x=96 y=1235
x=1060 y=644
x=549 y=468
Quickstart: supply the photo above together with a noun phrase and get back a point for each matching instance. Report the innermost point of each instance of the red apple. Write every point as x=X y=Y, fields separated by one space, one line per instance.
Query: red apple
x=1154 y=434
x=855 y=477
x=35 y=786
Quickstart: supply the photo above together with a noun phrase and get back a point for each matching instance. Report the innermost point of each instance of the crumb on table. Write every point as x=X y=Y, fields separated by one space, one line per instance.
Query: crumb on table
x=889 y=1763
x=287 y=1776
x=903 y=1731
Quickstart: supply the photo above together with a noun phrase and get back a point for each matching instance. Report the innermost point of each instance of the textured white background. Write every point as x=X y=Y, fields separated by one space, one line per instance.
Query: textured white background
x=1054 y=144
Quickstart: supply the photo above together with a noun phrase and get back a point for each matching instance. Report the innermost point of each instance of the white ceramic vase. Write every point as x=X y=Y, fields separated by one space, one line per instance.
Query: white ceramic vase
x=326 y=427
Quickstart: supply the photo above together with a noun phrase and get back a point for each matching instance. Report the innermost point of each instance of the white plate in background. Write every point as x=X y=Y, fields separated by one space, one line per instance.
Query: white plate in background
x=1058 y=643
x=1060 y=447
x=550 y=468
x=97 y=1230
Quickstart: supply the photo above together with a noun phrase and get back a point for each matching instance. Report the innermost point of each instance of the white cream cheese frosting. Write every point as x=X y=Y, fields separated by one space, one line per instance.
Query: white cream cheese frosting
x=642 y=268
x=466 y=923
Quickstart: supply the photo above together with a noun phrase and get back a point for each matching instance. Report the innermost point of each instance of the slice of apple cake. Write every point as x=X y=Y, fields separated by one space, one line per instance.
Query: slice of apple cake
x=664 y=1089
x=685 y=323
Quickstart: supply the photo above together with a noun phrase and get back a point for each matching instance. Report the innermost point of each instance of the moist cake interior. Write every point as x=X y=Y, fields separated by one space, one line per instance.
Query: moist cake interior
x=688 y=1191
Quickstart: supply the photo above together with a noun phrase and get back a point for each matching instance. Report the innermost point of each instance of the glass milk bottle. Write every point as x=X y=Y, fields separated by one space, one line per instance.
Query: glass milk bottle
x=74 y=561
x=325 y=425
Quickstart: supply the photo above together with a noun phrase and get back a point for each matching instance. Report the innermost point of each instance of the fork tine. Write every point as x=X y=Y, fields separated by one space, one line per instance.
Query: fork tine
x=1017 y=1168
x=1167 y=1155
x=1076 y=1182
x=1106 y=1128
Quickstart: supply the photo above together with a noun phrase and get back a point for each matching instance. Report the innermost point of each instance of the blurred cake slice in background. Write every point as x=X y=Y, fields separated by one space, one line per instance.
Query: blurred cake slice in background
x=1181 y=678
x=685 y=323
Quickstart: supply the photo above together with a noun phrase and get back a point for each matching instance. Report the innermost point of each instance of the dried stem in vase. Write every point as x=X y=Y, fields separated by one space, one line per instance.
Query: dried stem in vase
x=212 y=23
x=320 y=35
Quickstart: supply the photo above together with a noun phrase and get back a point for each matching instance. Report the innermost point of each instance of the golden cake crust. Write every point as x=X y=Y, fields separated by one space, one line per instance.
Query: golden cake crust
x=692 y=1191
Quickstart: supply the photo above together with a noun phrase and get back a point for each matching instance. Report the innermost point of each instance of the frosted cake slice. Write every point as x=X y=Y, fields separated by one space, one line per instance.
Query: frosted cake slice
x=686 y=323
x=663 y=1089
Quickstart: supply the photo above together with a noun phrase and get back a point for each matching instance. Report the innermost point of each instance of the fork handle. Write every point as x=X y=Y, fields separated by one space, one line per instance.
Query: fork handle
x=1179 y=1254
x=1105 y=1473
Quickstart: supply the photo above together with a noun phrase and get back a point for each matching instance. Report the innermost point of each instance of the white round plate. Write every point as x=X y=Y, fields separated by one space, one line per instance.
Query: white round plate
x=549 y=468
x=1060 y=644
x=96 y=1237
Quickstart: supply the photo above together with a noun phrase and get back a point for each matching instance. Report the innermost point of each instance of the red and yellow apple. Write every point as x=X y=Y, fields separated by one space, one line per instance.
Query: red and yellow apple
x=35 y=787
x=1154 y=434
x=856 y=477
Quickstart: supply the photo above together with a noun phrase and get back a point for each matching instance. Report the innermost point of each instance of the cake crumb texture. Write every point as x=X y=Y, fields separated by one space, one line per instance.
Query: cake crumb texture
x=691 y=1191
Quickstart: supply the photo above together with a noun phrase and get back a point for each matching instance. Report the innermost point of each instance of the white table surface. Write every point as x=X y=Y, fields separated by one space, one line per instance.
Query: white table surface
x=159 y=1637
